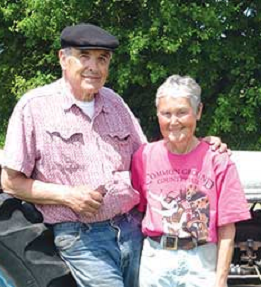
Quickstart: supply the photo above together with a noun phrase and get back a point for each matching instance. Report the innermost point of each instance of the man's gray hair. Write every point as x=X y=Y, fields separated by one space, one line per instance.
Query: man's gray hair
x=67 y=51
x=177 y=86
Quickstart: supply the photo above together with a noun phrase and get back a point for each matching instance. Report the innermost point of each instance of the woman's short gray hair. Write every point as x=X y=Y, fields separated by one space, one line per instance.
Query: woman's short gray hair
x=177 y=86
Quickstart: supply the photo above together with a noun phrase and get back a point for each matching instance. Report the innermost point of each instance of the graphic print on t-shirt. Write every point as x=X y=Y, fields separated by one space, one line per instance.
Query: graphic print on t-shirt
x=185 y=213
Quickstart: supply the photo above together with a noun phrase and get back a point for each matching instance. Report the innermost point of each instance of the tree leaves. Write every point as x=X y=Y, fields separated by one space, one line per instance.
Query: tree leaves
x=217 y=42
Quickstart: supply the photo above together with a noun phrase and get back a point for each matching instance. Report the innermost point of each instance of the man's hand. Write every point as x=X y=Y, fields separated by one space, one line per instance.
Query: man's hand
x=216 y=143
x=83 y=200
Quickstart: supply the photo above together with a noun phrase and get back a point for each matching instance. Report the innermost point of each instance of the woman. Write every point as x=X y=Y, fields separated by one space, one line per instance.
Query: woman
x=191 y=197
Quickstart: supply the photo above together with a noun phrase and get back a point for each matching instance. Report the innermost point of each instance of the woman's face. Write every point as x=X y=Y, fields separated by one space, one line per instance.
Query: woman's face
x=177 y=119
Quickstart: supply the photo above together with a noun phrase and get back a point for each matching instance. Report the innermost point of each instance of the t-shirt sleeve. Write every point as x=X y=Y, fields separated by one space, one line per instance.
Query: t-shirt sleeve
x=19 y=150
x=232 y=204
x=138 y=176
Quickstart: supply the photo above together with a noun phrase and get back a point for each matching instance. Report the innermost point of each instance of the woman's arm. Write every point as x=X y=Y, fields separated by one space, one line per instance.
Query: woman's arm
x=226 y=235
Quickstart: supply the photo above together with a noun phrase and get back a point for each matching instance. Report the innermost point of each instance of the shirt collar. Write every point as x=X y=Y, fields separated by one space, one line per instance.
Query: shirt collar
x=69 y=99
x=100 y=103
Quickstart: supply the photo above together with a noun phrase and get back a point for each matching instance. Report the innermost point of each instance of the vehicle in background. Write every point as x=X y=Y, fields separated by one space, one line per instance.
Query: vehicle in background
x=28 y=257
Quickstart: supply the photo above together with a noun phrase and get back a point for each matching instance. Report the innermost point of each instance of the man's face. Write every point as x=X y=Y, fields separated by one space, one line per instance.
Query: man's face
x=85 y=70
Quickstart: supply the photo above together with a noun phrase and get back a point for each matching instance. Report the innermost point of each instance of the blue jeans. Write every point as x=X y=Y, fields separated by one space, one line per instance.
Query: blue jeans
x=177 y=268
x=104 y=253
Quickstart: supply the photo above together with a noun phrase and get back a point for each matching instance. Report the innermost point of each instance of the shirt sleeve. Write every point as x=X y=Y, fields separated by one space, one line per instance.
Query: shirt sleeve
x=120 y=193
x=138 y=177
x=232 y=204
x=19 y=150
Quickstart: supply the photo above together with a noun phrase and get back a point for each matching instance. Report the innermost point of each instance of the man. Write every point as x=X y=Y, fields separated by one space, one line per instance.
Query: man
x=68 y=150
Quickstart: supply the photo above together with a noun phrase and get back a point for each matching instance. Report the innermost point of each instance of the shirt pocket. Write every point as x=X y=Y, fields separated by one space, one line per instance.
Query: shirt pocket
x=63 y=148
x=118 y=148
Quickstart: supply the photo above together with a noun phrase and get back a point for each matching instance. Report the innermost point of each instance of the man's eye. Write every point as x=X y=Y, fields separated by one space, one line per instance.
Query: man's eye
x=84 y=56
x=103 y=59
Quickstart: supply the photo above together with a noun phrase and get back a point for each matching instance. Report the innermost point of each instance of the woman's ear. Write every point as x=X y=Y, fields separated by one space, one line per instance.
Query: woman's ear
x=199 y=111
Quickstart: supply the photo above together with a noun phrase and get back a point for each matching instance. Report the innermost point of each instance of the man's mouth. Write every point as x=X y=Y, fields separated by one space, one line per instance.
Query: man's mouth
x=91 y=77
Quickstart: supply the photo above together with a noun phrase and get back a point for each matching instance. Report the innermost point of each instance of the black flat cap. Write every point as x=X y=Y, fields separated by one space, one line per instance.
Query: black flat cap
x=88 y=37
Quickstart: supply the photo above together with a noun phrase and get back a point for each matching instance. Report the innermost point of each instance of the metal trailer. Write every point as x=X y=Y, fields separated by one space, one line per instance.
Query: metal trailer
x=246 y=266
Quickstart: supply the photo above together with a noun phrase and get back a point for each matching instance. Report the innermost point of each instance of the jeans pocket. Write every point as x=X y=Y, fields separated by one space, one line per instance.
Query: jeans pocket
x=65 y=241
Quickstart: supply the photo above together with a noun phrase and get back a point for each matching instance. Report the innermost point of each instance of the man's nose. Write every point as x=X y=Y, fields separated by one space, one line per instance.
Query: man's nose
x=92 y=64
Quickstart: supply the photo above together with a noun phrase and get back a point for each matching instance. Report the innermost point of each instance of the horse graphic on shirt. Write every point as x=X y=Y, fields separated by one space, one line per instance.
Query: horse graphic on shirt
x=185 y=214
x=172 y=212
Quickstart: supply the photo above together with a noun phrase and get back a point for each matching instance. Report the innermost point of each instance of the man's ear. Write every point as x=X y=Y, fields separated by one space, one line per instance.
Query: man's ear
x=199 y=112
x=62 y=58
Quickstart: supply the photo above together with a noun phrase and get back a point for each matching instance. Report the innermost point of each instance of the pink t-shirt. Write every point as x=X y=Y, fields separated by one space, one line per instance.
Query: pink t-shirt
x=51 y=139
x=187 y=195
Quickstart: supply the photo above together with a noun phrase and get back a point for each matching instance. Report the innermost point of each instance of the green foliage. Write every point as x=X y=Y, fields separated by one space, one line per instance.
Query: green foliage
x=217 y=42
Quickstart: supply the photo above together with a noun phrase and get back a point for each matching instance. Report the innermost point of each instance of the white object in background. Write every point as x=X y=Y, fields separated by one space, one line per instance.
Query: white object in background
x=249 y=168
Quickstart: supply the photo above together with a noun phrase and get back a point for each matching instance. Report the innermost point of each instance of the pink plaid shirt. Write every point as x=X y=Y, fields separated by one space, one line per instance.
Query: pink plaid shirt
x=50 y=139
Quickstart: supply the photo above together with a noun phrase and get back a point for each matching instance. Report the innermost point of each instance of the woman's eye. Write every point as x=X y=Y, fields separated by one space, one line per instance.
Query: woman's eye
x=182 y=112
x=166 y=114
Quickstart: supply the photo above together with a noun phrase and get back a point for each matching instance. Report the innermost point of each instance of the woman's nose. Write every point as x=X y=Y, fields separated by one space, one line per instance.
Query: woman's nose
x=173 y=119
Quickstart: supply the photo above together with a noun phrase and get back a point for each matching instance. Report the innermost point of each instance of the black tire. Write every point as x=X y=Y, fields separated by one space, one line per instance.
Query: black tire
x=28 y=257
